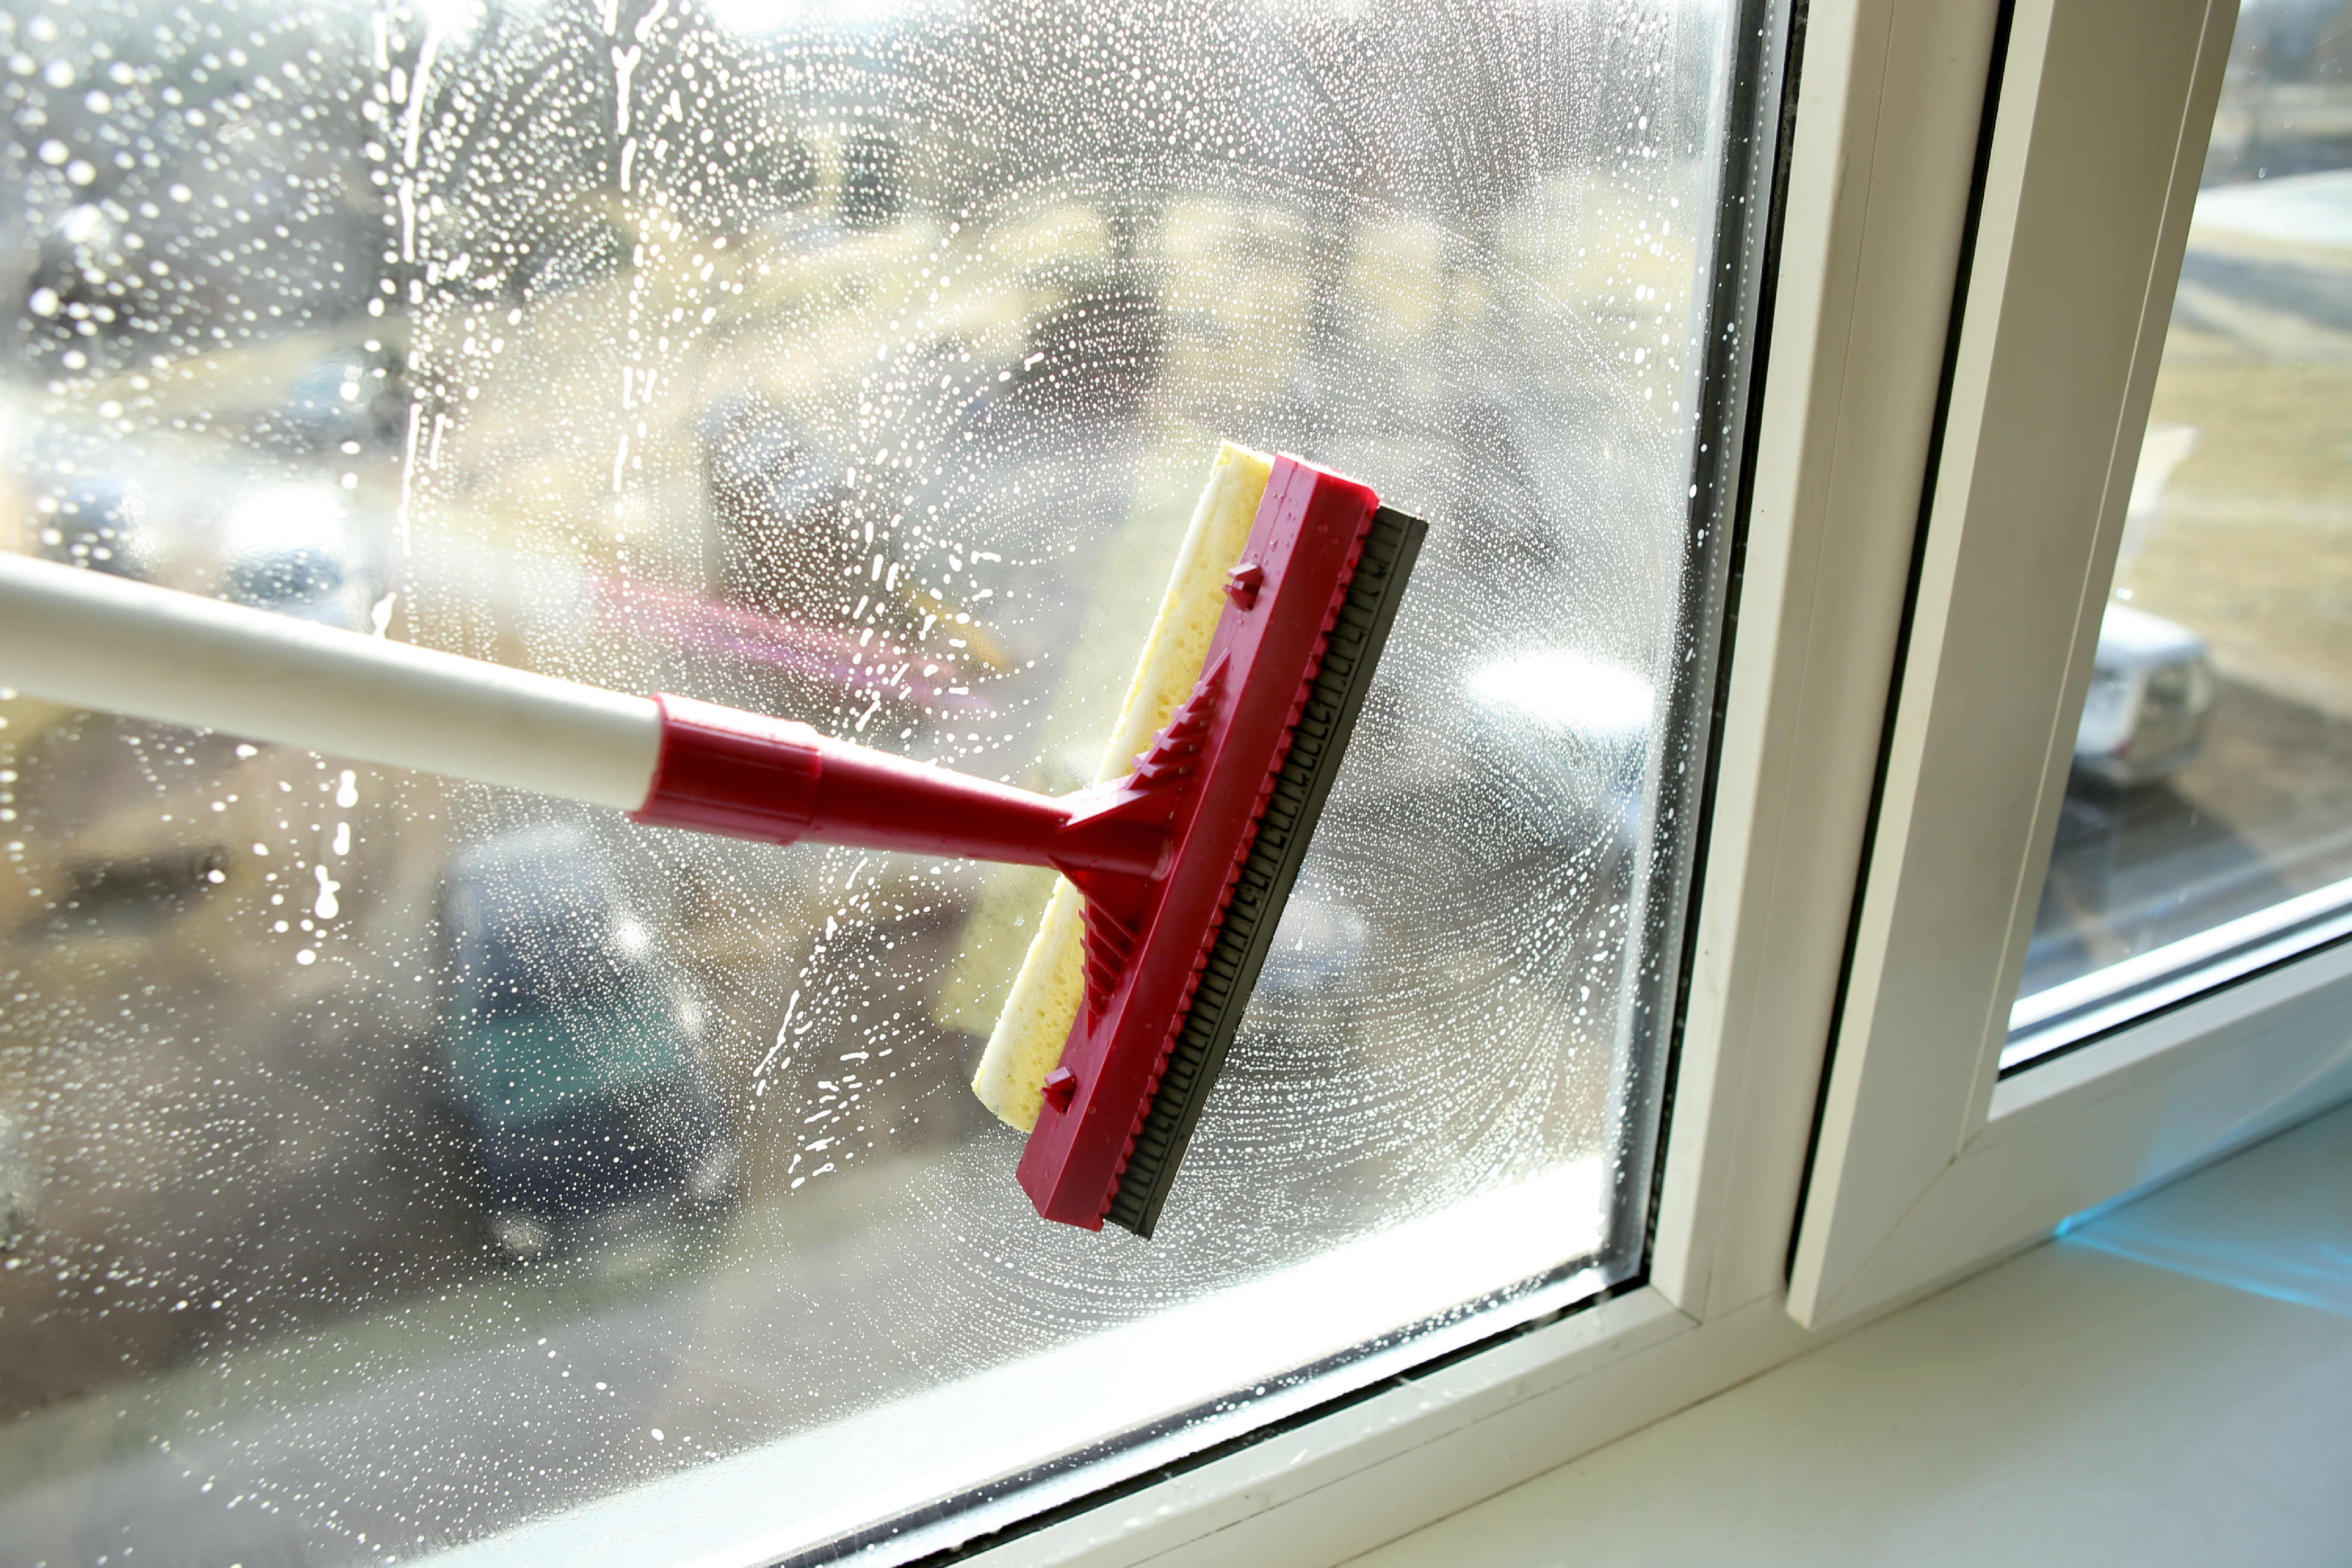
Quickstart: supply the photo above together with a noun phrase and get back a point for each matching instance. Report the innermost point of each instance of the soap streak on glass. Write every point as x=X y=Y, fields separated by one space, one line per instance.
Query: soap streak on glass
x=387 y=1161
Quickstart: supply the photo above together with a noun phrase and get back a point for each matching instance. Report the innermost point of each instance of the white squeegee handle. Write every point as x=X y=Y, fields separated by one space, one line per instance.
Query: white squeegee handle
x=79 y=637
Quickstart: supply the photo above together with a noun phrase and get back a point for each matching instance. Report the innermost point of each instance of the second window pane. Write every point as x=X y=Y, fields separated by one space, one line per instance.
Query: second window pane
x=2207 y=830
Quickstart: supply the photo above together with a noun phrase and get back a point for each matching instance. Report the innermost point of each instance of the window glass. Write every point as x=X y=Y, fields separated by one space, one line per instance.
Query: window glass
x=2207 y=827
x=392 y=1164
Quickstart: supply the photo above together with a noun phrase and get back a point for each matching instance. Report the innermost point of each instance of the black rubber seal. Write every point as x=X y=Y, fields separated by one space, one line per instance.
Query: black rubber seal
x=1317 y=743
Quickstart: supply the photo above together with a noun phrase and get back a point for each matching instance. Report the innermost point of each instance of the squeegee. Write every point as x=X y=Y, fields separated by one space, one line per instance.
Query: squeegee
x=1175 y=867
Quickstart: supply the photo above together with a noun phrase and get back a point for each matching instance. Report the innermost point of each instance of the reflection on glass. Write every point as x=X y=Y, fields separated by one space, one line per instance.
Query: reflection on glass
x=2206 y=828
x=388 y=1163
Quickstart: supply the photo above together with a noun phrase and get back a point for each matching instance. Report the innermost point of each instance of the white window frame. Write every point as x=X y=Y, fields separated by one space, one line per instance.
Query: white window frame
x=1927 y=1160
x=1936 y=500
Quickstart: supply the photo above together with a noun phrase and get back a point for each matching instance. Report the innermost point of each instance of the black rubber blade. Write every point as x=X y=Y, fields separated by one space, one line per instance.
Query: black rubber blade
x=1317 y=746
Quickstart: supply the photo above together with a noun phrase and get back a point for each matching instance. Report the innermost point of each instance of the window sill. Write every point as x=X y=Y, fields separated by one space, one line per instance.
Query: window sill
x=2072 y=1404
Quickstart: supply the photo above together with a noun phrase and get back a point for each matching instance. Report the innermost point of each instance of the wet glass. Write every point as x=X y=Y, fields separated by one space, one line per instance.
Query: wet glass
x=396 y=1166
x=2207 y=826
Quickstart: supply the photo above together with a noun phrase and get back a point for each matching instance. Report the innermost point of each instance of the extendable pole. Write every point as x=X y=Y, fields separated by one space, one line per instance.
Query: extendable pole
x=90 y=640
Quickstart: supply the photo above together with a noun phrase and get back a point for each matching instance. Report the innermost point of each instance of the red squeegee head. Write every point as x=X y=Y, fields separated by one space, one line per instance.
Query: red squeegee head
x=1208 y=775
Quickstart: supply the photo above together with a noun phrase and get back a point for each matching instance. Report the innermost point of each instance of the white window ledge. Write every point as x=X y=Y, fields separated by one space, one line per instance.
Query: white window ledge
x=2166 y=1385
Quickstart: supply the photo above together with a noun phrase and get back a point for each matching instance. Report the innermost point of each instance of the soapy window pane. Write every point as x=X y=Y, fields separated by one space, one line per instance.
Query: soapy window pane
x=393 y=1163
x=2207 y=827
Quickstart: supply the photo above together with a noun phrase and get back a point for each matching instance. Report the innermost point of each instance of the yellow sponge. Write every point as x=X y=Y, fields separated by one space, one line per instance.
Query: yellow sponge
x=1035 y=1024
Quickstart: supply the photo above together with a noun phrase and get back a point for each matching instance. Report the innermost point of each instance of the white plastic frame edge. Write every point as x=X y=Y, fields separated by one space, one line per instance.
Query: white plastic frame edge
x=1926 y=1162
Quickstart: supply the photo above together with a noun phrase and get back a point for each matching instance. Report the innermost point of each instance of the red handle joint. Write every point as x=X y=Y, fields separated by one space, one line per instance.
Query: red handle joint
x=747 y=777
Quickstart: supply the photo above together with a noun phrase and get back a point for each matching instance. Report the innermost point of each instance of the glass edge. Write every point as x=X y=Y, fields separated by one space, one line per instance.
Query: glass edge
x=983 y=1518
x=2107 y=1001
x=1759 y=87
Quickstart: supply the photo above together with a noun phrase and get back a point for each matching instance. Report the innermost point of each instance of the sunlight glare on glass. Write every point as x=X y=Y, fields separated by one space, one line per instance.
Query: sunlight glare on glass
x=1564 y=690
x=760 y=18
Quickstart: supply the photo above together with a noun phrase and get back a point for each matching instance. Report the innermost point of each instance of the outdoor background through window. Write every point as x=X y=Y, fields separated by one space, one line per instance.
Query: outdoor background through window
x=389 y=1163
x=2207 y=830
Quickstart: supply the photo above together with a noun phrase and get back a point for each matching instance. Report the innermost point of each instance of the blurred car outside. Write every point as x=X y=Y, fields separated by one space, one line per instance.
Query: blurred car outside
x=571 y=1055
x=2152 y=679
x=2152 y=690
x=286 y=549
